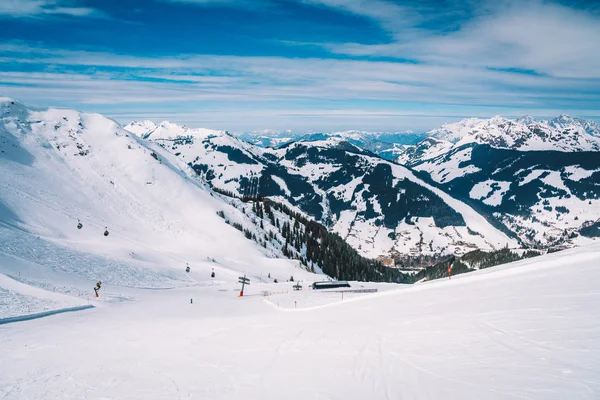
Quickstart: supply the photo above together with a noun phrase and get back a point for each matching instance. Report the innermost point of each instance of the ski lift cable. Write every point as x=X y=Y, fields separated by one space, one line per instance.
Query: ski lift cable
x=166 y=254
x=129 y=238
x=91 y=221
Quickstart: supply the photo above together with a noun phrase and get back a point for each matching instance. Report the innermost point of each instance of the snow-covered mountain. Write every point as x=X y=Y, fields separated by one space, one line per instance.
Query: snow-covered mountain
x=428 y=148
x=524 y=330
x=58 y=167
x=537 y=179
x=166 y=130
x=376 y=205
x=385 y=145
x=270 y=138
x=525 y=134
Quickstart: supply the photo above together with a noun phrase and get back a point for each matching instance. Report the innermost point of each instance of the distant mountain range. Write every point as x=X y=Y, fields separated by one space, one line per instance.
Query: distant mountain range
x=479 y=184
x=378 y=206
x=535 y=181
x=384 y=144
x=539 y=180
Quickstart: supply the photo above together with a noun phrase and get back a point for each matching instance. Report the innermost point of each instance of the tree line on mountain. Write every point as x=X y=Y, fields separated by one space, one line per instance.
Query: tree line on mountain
x=312 y=244
x=472 y=261
x=327 y=249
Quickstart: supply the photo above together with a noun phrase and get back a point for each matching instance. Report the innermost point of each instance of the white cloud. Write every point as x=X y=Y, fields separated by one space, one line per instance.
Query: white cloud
x=41 y=8
x=536 y=35
x=390 y=16
x=126 y=79
x=544 y=37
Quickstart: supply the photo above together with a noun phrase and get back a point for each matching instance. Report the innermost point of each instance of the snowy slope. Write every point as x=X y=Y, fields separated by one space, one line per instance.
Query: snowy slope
x=547 y=198
x=527 y=330
x=525 y=134
x=385 y=144
x=58 y=166
x=427 y=149
x=166 y=130
x=141 y=128
x=269 y=137
x=563 y=133
x=376 y=206
x=540 y=179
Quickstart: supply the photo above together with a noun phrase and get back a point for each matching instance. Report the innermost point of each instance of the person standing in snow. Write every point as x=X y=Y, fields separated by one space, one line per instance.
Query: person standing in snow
x=449 y=270
x=98 y=285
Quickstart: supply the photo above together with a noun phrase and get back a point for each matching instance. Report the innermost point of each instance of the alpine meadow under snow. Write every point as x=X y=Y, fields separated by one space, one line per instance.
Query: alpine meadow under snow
x=170 y=197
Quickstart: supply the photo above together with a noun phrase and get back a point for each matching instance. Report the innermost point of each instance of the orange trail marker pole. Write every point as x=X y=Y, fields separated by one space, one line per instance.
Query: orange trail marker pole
x=244 y=281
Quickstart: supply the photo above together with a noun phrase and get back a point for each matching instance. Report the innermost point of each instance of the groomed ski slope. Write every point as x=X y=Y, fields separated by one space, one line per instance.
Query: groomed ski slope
x=527 y=330
x=58 y=166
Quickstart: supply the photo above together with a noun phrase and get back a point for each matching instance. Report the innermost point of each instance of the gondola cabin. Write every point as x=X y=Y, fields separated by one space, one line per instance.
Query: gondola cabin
x=330 y=285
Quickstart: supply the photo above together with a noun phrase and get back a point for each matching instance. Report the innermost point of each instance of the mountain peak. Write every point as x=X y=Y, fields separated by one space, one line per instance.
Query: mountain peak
x=563 y=133
x=526 y=119
x=167 y=130
x=140 y=128
x=498 y=118
x=327 y=141
x=6 y=100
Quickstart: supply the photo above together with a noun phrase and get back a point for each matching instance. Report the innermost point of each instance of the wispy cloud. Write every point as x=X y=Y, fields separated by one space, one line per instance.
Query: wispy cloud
x=243 y=4
x=390 y=16
x=232 y=86
x=45 y=8
x=535 y=35
x=467 y=58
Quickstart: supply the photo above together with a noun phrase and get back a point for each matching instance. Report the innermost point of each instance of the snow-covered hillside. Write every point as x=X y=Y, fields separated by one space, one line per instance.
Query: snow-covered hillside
x=270 y=138
x=166 y=130
x=384 y=144
x=60 y=166
x=525 y=330
x=528 y=330
x=526 y=134
x=377 y=206
x=563 y=133
x=540 y=179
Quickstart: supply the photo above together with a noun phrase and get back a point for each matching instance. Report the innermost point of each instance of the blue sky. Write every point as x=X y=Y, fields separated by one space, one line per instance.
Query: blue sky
x=308 y=65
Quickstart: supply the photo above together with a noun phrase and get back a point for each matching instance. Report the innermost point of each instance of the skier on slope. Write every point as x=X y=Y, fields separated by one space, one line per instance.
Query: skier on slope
x=97 y=288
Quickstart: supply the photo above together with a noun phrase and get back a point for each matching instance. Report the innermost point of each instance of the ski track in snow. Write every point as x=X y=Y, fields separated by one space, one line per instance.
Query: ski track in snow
x=521 y=331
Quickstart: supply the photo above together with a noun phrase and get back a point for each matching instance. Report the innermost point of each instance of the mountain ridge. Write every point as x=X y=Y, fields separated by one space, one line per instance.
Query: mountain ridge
x=538 y=179
x=365 y=199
